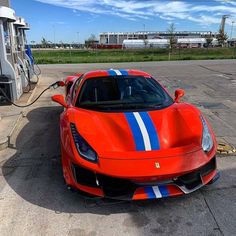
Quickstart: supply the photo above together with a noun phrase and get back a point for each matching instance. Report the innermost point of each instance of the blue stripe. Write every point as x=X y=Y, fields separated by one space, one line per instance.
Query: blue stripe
x=124 y=72
x=137 y=135
x=112 y=72
x=153 y=136
x=164 y=191
x=149 y=191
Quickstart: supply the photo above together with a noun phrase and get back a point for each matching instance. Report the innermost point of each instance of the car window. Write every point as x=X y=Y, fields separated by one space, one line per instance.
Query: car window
x=76 y=86
x=122 y=93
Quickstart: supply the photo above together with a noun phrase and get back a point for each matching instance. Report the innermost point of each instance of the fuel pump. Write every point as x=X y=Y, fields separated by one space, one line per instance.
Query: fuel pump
x=23 y=61
x=28 y=57
x=9 y=71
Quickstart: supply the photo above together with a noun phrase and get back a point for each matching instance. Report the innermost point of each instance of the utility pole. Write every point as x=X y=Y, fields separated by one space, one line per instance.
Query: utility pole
x=231 y=33
x=144 y=32
x=222 y=25
x=54 y=35
x=78 y=38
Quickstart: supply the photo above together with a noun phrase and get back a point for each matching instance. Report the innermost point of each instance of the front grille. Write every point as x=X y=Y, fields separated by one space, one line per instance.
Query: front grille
x=115 y=187
x=190 y=181
x=84 y=176
x=209 y=167
x=193 y=179
x=112 y=187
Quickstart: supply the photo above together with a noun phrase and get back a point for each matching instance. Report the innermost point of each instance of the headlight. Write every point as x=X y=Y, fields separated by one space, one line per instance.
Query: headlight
x=207 y=142
x=84 y=149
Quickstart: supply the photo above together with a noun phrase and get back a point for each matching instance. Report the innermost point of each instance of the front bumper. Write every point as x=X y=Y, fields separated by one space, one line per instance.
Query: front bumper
x=130 y=189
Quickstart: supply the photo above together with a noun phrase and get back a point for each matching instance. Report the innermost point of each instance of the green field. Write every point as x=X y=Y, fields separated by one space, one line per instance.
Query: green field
x=99 y=56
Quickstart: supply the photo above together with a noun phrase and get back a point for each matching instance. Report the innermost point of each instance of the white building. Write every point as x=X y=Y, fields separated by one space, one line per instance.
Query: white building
x=148 y=43
x=117 y=38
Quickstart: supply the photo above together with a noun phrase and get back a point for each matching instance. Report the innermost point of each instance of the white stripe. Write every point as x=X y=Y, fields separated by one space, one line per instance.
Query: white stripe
x=118 y=72
x=144 y=132
x=156 y=192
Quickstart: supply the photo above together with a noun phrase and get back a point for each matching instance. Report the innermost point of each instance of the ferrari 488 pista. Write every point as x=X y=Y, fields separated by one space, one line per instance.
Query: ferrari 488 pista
x=123 y=136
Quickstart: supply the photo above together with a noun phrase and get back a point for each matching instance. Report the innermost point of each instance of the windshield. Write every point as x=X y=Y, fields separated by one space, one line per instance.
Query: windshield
x=122 y=93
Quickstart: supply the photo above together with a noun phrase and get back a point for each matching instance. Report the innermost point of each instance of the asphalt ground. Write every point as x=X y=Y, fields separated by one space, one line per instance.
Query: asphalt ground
x=35 y=201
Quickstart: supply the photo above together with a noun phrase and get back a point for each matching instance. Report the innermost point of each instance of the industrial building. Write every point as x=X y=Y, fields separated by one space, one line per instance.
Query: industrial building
x=161 y=39
x=154 y=38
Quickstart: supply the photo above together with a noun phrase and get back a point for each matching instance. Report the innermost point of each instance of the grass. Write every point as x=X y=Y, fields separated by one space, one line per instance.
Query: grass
x=130 y=55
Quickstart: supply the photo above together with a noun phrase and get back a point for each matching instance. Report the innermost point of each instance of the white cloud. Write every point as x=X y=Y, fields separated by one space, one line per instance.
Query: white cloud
x=195 y=11
x=57 y=22
x=205 y=20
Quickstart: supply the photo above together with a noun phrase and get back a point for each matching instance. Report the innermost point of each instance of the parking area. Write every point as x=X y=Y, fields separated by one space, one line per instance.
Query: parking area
x=35 y=201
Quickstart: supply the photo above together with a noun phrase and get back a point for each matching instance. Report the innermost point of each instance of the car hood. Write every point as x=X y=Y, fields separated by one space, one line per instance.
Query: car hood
x=177 y=128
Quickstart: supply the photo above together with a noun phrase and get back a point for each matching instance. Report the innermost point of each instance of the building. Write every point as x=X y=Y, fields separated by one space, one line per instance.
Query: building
x=113 y=38
x=147 y=43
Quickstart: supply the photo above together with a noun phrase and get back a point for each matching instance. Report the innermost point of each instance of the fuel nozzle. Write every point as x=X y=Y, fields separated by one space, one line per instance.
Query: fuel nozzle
x=57 y=84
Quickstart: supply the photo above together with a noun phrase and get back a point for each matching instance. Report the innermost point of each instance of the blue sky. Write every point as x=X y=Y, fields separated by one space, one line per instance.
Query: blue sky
x=75 y=20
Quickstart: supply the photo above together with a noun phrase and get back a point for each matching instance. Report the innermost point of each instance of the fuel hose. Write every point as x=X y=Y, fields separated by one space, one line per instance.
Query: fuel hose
x=54 y=85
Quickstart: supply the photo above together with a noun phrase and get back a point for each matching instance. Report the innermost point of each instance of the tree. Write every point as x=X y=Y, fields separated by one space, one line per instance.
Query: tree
x=145 y=41
x=44 y=42
x=172 y=38
x=221 y=37
x=92 y=37
x=91 y=41
x=62 y=44
x=209 y=39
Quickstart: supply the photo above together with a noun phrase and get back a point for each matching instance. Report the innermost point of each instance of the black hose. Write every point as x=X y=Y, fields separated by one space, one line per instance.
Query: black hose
x=54 y=85
x=23 y=106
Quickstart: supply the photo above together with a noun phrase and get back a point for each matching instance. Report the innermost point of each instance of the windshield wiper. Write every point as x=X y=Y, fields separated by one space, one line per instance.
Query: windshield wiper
x=114 y=106
x=155 y=105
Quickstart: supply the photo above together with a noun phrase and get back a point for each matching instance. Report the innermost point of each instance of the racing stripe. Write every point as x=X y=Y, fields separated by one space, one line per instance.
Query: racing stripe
x=149 y=191
x=144 y=131
x=136 y=132
x=117 y=72
x=151 y=130
x=164 y=191
x=124 y=72
x=157 y=192
x=112 y=72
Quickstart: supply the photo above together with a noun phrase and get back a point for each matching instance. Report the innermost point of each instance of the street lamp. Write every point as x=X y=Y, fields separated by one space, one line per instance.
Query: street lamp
x=54 y=35
x=78 y=38
x=232 y=29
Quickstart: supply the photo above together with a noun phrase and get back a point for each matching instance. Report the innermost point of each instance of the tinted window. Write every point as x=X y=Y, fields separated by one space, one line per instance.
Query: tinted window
x=76 y=86
x=122 y=93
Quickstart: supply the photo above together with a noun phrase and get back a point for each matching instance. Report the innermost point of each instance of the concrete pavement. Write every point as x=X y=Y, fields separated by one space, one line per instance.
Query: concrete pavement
x=10 y=116
x=35 y=201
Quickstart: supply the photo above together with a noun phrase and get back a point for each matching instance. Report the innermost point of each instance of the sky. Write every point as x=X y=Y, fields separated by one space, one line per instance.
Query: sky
x=75 y=20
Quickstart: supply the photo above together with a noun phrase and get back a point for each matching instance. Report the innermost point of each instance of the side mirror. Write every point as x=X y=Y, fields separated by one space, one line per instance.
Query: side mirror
x=59 y=99
x=178 y=94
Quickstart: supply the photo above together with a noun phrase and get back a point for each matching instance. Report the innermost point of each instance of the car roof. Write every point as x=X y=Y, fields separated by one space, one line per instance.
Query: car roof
x=114 y=72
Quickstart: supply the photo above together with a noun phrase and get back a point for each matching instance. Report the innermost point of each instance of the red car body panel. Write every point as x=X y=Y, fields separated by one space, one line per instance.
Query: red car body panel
x=179 y=132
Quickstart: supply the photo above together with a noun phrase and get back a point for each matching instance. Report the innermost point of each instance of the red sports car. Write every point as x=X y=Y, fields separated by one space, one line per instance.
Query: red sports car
x=123 y=136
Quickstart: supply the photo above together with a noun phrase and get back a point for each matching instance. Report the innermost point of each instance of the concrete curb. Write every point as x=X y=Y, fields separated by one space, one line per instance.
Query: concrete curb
x=6 y=142
x=3 y=144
